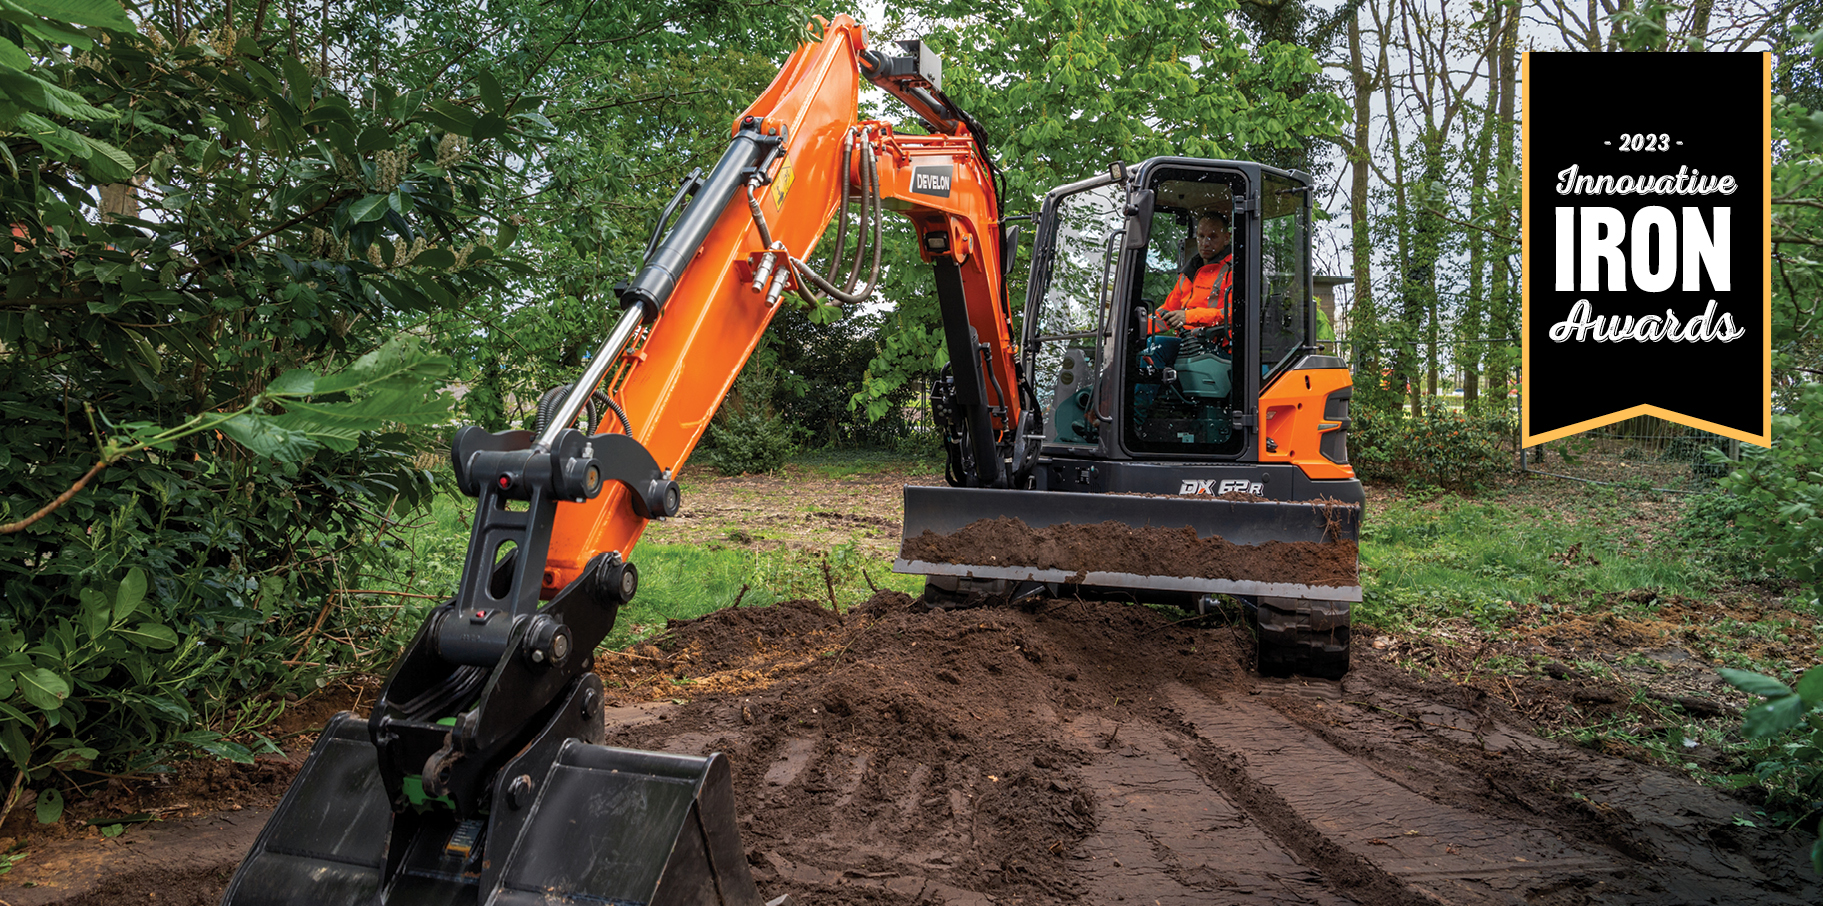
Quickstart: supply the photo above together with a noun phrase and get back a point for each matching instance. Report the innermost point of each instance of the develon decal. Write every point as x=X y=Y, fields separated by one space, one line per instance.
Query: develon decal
x=932 y=179
x=1220 y=486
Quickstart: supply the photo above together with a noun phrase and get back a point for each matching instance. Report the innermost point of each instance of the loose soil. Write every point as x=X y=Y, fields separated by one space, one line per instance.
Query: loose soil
x=1081 y=752
x=1141 y=550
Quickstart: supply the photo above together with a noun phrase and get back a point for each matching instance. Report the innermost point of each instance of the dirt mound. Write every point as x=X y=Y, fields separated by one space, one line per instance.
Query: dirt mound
x=735 y=635
x=1068 y=751
x=1089 y=752
x=1142 y=550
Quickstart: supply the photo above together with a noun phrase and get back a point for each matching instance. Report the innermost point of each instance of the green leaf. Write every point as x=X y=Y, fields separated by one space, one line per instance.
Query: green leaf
x=40 y=96
x=73 y=758
x=366 y=208
x=13 y=741
x=450 y=117
x=490 y=125
x=1774 y=717
x=399 y=359
x=265 y=435
x=299 y=80
x=50 y=806
x=107 y=163
x=151 y=635
x=98 y=13
x=374 y=138
x=1754 y=683
x=113 y=830
x=296 y=382
x=1810 y=686
x=96 y=611
x=43 y=689
x=212 y=742
x=132 y=591
x=14 y=56
x=438 y=257
x=491 y=95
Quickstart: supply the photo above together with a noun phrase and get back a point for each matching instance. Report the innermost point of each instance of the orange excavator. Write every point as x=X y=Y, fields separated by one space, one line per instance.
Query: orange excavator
x=480 y=775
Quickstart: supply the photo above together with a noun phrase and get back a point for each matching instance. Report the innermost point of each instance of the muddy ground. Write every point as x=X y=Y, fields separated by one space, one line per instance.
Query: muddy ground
x=1069 y=751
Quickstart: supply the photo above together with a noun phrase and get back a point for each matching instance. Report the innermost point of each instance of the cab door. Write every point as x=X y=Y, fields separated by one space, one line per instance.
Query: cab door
x=1068 y=339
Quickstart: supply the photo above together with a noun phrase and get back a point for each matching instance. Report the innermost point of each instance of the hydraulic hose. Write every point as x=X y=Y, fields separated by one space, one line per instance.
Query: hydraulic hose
x=552 y=399
x=870 y=200
x=871 y=205
x=848 y=147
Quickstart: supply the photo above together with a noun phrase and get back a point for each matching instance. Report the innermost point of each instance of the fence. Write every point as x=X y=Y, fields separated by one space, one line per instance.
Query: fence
x=1644 y=451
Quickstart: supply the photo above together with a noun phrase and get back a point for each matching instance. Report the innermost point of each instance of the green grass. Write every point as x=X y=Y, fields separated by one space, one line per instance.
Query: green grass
x=684 y=581
x=1425 y=562
x=852 y=463
x=677 y=581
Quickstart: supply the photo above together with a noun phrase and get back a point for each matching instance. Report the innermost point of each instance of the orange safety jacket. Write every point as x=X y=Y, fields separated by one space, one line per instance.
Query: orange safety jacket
x=1206 y=298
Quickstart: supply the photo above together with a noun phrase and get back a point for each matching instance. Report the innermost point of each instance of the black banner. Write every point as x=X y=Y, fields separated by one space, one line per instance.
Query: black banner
x=1647 y=242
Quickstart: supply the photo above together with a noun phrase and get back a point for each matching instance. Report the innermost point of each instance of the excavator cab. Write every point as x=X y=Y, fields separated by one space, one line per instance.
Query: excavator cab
x=1110 y=250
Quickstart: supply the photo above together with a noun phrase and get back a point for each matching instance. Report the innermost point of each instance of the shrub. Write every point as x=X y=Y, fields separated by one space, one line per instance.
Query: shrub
x=181 y=367
x=1790 y=719
x=1778 y=492
x=750 y=442
x=1455 y=452
x=1708 y=529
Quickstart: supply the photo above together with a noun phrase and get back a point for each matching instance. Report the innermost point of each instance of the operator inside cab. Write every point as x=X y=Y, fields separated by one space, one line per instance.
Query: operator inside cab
x=1205 y=287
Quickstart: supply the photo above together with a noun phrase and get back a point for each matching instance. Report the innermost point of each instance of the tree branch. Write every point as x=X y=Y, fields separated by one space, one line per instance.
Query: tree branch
x=47 y=300
x=62 y=499
x=1474 y=226
x=265 y=233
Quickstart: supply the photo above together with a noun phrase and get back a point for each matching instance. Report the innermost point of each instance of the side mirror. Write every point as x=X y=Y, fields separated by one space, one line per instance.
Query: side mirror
x=1009 y=247
x=1139 y=218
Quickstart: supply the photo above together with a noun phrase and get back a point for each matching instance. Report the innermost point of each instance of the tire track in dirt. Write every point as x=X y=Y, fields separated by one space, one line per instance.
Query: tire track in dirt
x=1432 y=852
x=1085 y=752
x=1080 y=752
x=1164 y=829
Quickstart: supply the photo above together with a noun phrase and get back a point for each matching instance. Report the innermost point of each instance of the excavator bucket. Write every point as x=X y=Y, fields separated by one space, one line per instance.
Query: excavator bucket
x=591 y=825
x=1206 y=545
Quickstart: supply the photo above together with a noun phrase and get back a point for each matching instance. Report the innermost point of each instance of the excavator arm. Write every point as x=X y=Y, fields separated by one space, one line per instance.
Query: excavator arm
x=480 y=775
x=706 y=294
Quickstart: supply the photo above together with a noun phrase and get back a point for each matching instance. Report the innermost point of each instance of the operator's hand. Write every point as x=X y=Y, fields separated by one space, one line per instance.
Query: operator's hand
x=1173 y=319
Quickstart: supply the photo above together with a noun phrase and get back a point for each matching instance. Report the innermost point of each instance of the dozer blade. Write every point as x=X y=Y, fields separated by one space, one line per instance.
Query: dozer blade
x=1094 y=558
x=604 y=825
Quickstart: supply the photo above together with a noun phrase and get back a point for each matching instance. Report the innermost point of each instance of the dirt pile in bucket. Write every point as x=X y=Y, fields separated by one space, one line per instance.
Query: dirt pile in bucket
x=1142 y=550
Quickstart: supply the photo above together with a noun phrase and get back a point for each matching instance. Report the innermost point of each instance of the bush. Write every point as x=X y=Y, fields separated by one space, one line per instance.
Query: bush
x=750 y=442
x=1777 y=492
x=1790 y=719
x=1444 y=450
x=179 y=370
x=1709 y=531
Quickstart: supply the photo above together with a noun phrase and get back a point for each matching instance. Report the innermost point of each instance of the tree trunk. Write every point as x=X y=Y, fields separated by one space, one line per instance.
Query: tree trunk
x=1699 y=24
x=1363 y=320
x=1503 y=318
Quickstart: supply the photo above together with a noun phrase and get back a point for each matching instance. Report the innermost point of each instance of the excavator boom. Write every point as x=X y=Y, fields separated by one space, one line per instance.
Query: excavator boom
x=480 y=775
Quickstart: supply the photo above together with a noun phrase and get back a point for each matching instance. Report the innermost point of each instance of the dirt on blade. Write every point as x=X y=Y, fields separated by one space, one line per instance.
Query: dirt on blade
x=1142 y=550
